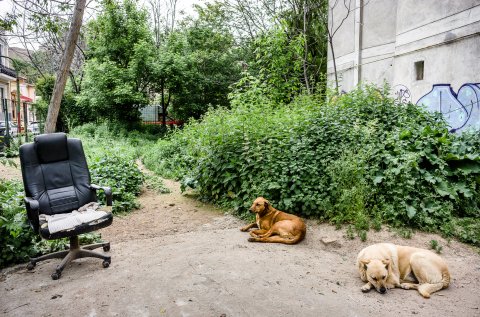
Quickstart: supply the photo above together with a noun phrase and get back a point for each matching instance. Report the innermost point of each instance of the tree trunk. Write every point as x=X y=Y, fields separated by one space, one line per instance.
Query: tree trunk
x=330 y=41
x=63 y=72
x=305 y=38
x=164 y=108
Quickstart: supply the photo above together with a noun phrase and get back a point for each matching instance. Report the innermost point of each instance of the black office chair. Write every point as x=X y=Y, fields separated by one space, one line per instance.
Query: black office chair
x=57 y=184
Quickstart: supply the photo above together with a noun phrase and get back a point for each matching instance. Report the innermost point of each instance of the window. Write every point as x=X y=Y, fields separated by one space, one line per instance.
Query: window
x=419 y=68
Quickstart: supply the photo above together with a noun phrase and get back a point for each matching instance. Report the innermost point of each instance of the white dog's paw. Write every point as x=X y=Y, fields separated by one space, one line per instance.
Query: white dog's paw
x=366 y=288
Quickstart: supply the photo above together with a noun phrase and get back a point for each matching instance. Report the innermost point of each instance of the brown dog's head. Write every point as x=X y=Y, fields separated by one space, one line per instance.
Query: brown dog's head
x=377 y=272
x=260 y=206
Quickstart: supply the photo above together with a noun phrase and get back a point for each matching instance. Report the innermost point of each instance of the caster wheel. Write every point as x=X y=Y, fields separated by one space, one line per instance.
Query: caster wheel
x=106 y=263
x=56 y=275
x=106 y=247
x=31 y=266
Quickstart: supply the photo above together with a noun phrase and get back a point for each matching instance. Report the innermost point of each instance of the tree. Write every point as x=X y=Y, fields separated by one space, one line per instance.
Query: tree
x=278 y=64
x=251 y=18
x=304 y=18
x=7 y=22
x=333 y=24
x=62 y=74
x=163 y=14
x=284 y=39
x=206 y=64
x=70 y=114
x=40 y=30
x=120 y=66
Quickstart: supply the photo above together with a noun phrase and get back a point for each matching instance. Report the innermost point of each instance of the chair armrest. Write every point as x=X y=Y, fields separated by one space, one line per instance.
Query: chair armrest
x=33 y=208
x=106 y=189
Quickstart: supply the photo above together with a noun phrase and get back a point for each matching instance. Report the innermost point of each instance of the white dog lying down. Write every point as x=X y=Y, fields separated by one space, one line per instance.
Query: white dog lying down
x=386 y=265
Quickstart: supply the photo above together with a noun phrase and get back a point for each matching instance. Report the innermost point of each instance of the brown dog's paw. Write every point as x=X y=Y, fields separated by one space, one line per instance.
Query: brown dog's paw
x=252 y=240
x=243 y=229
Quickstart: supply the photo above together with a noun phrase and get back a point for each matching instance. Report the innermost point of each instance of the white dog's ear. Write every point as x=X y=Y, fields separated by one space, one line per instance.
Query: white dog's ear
x=365 y=262
x=386 y=262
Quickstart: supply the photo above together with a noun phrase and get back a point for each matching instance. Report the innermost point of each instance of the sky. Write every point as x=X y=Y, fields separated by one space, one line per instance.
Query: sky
x=182 y=5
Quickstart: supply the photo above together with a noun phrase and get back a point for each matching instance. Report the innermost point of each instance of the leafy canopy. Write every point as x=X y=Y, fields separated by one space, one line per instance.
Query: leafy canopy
x=120 y=65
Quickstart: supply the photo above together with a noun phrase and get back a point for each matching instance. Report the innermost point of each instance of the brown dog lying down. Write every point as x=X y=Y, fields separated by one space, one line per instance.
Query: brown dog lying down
x=386 y=265
x=274 y=225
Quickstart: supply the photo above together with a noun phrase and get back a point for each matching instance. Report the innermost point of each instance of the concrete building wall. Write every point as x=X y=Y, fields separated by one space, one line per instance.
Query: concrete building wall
x=455 y=63
x=414 y=13
x=378 y=20
x=413 y=45
x=341 y=24
x=444 y=34
x=379 y=23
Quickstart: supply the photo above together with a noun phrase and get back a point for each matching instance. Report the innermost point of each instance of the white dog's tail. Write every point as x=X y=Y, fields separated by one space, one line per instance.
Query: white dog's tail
x=445 y=278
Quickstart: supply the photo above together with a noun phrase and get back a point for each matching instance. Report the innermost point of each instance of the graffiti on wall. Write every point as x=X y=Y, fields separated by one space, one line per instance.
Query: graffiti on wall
x=461 y=110
x=402 y=94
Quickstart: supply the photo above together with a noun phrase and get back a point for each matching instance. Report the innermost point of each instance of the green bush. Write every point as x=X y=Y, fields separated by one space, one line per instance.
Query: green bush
x=122 y=175
x=112 y=152
x=359 y=158
x=18 y=241
x=16 y=237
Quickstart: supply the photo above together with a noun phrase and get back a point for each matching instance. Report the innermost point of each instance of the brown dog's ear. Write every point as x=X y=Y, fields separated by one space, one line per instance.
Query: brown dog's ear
x=266 y=203
x=386 y=262
x=365 y=262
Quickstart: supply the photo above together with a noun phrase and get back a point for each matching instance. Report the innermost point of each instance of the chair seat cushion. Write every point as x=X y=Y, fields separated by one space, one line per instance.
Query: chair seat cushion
x=83 y=220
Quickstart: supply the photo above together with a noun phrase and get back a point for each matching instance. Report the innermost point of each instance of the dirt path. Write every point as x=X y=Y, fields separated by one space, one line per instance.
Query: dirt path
x=178 y=257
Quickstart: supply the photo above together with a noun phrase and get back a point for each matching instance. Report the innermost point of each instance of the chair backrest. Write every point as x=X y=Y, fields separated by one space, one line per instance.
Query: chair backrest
x=55 y=173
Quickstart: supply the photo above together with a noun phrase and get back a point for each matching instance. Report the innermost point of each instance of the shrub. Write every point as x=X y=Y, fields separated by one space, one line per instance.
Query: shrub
x=122 y=175
x=357 y=158
x=16 y=236
x=111 y=153
x=18 y=241
x=111 y=159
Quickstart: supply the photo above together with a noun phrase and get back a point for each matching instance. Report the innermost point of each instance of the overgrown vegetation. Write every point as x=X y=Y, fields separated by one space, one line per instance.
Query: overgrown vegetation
x=18 y=241
x=17 y=238
x=112 y=162
x=263 y=124
x=358 y=159
x=112 y=159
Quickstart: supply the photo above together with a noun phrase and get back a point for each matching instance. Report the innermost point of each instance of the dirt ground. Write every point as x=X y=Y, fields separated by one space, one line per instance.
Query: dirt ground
x=179 y=257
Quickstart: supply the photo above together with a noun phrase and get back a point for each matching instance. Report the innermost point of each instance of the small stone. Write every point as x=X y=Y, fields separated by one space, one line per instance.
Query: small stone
x=331 y=242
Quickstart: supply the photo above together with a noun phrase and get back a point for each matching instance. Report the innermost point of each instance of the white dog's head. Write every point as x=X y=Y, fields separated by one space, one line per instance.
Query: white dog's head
x=377 y=272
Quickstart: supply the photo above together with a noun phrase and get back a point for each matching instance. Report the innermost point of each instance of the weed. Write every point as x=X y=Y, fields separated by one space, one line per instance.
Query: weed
x=350 y=232
x=434 y=245
x=358 y=158
x=363 y=235
x=377 y=223
x=155 y=183
x=405 y=233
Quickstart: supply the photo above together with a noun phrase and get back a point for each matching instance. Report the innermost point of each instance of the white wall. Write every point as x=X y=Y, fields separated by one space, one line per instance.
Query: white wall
x=394 y=34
